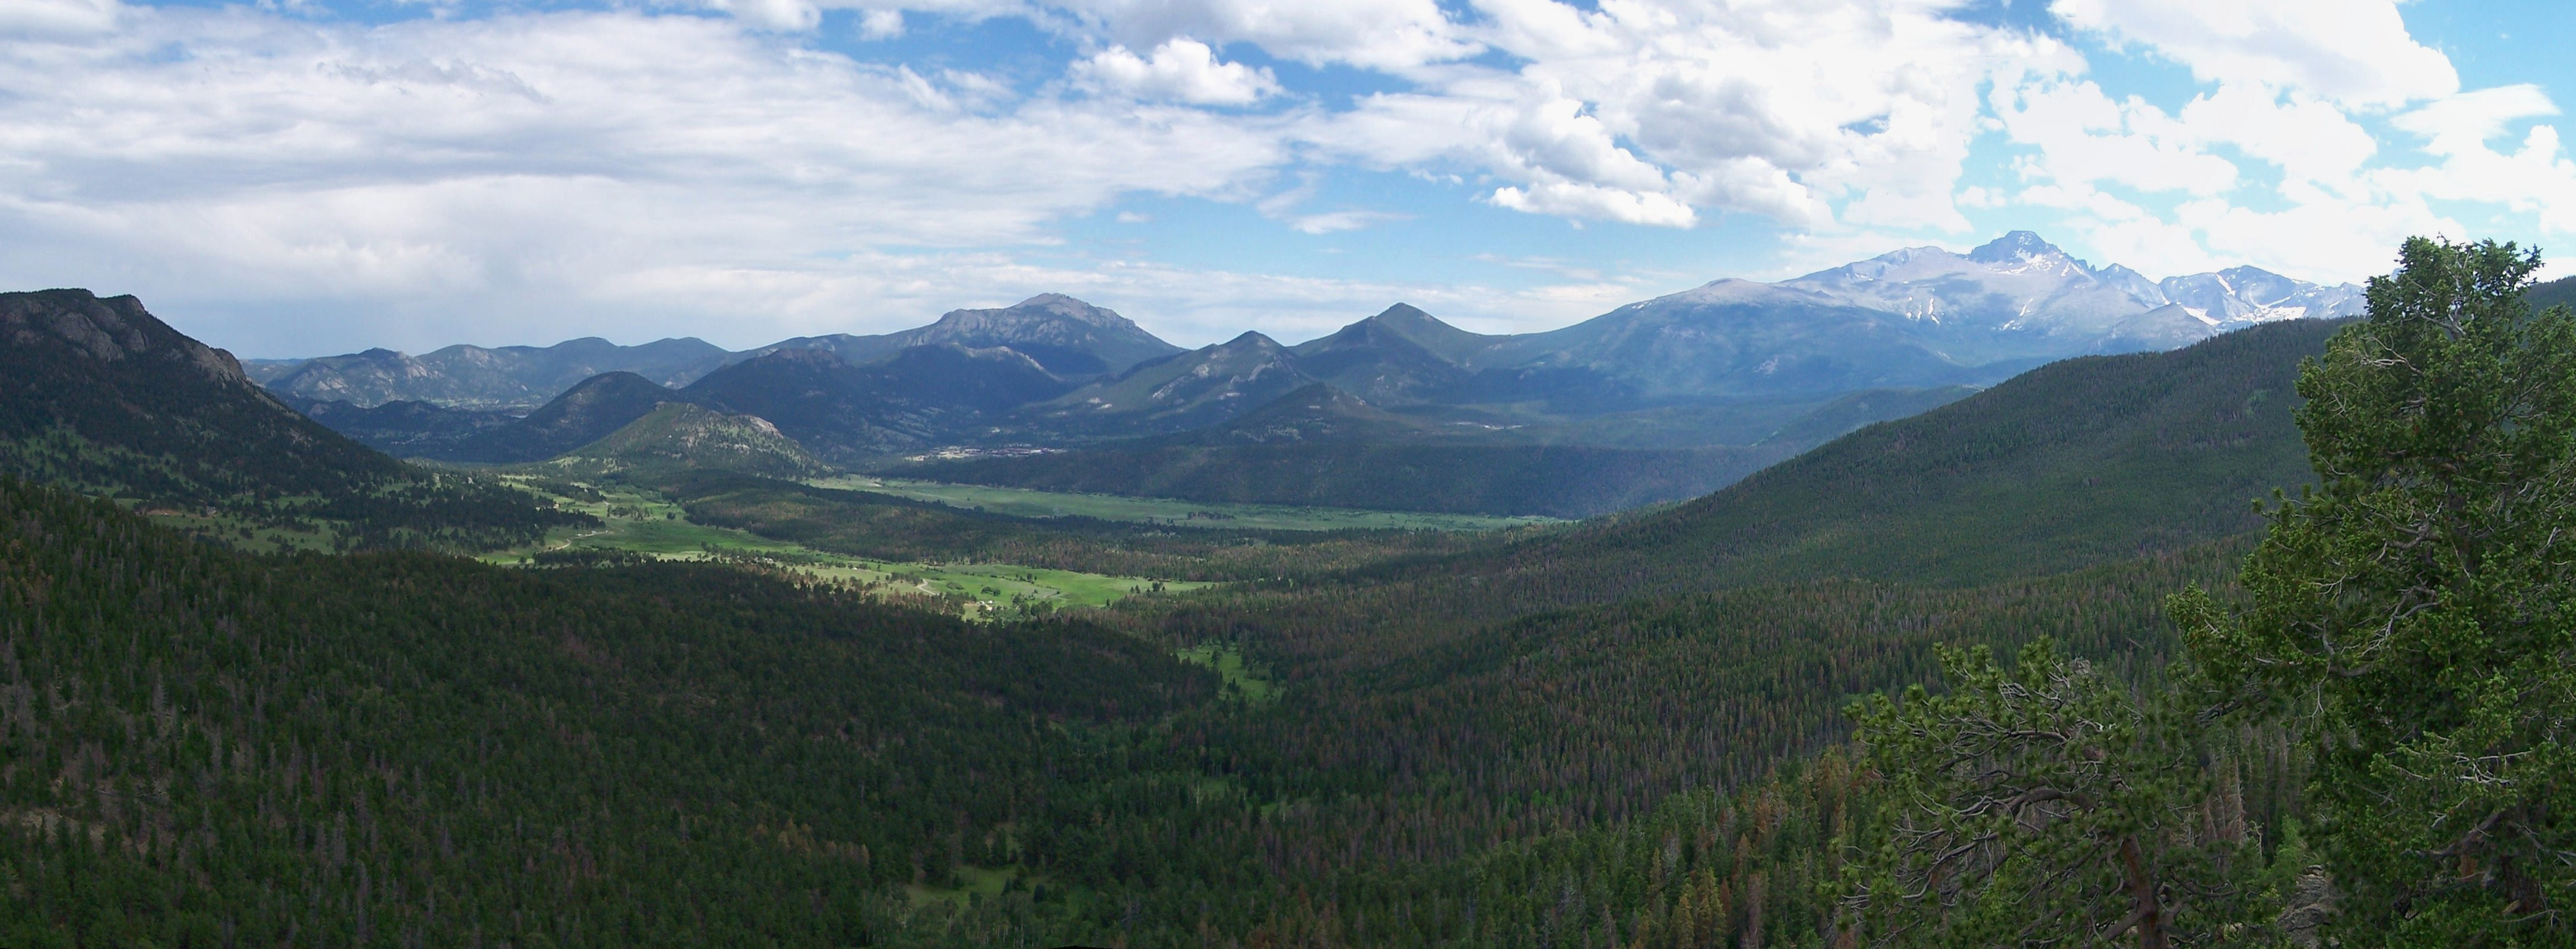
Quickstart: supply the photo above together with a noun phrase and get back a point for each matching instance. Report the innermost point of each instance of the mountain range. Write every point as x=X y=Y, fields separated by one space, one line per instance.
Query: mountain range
x=1915 y=316
x=472 y=377
x=1733 y=364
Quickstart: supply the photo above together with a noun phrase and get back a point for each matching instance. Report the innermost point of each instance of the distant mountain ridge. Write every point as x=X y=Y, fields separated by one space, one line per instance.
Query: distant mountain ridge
x=1206 y=386
x=1915 y=316
x=1731 y=363
x=1068 y=337
x=473 y=377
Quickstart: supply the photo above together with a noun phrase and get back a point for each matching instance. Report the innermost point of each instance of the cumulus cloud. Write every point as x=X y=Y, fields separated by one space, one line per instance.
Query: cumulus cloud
x=1183 y=70
x=54 y=17
x=1649 y=113
x=2272 y=163
x=2463 y=123
x=783 y=15
x=520 y=164
x=2535 y=176
x=663 y=170
x=880 y=24
x=2356 y=52
x=1575 y=199
x=2084 y=137
x=1331 y=221
x=2308 y=138
x=1378 y=34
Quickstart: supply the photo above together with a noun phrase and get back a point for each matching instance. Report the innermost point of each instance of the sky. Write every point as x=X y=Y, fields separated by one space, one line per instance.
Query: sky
x=304 y=177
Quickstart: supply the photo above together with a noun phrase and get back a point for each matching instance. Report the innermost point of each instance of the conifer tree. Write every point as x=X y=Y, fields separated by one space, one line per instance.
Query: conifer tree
x=2044 y=805
x=2412 y=613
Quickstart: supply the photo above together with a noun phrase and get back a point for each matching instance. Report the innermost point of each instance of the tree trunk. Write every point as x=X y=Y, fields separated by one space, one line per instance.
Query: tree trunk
x=2145 y=913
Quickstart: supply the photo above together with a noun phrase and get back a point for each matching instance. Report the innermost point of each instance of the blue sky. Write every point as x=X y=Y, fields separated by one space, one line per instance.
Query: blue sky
x=297 y=177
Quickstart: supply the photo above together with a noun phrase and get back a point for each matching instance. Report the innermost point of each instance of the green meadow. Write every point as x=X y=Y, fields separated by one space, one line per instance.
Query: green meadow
x=1022 y=502
x=634 y=520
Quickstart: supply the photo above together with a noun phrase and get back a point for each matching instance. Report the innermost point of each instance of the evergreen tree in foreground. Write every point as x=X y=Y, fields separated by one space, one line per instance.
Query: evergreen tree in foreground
x=2412 y=613
x=2408 y=618
x=2045 y=803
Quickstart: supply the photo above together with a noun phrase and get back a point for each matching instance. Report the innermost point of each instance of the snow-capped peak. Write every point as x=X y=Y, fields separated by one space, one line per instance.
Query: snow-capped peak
x=2025 y=248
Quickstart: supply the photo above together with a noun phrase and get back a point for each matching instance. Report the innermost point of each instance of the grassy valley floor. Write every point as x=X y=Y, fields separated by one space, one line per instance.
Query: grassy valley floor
x=1170 y=512
x=640 y=521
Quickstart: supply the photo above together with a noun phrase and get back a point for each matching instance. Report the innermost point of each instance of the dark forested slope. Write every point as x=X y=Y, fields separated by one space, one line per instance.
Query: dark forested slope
x=98 y=395
x=2079 y=462
x=207 y=748
x=1322 y=446
x=583 y=414
x=679 y=438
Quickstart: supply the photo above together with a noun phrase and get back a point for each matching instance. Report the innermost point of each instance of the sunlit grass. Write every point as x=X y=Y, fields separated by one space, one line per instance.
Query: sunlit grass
x=638 y=521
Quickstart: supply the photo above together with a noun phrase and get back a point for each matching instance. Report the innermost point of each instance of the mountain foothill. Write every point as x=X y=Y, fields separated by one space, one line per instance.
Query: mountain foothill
x=1652 y=402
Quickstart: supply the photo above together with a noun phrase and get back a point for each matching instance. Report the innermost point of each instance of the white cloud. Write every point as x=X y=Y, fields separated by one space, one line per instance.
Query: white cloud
x=2356 y=52
x=782 y=15
x=2309 y=139
x=57 y=17
x=1649 y=113
x=2272 y=163
x=515 y=166
x=1378 y=34
x=1184 y=70
x=2084 y=137
x=1576 y=199
x=880 y=24
x=665 y=170
x=2463 y=123
x=2535 y=177
x=1331 y=221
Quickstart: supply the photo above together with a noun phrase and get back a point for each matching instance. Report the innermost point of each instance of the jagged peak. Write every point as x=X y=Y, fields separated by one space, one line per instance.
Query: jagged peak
x=2017 y=246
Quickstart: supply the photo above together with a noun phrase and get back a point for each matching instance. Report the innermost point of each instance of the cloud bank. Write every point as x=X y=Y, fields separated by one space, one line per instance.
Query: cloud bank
x=745 y=169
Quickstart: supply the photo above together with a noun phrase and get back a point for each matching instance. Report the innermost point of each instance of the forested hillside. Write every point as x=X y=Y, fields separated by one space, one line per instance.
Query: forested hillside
x=1569 y=481
x=99 y=396
x=209 y=748
x=1322 y=446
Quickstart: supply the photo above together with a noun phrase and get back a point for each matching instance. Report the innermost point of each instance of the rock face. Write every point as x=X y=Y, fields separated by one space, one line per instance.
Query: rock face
x=97 y=392
x=84 y=327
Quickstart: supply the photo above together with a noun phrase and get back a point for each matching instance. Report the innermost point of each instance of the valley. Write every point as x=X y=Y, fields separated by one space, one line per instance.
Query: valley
x=637 y=521
x=1171 y=512
x=702 y=656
